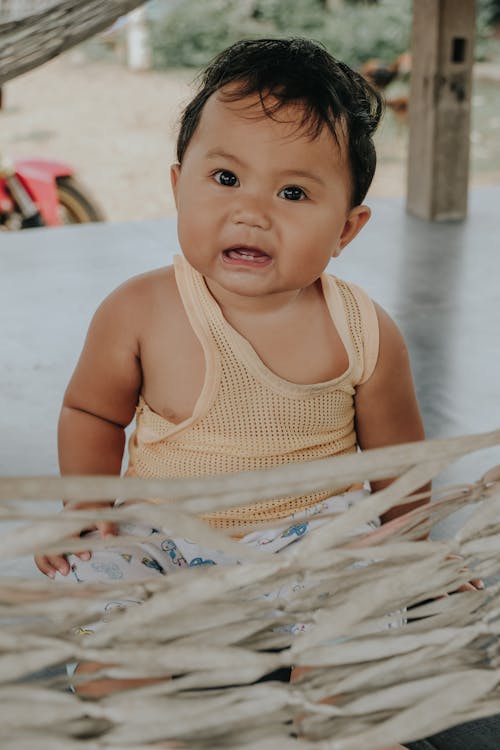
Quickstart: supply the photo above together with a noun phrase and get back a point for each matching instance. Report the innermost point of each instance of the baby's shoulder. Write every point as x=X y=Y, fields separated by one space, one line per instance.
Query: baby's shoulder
x=146 y=292
x=138 y=302
x=148 y=284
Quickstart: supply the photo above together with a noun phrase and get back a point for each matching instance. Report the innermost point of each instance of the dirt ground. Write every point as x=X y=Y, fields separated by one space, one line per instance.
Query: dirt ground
x=117 y=128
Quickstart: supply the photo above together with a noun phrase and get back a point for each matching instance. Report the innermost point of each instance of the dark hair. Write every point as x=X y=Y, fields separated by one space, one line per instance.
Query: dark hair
x=296 y=70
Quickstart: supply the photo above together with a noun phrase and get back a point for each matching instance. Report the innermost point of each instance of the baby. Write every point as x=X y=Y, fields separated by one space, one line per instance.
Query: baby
x=245 y=354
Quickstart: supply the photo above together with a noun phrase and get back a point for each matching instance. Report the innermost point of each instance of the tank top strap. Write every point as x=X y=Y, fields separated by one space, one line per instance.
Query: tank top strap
x=194 y=294
x=369 y=330
x=190 y=285
x=352 y=308
x=202 y=310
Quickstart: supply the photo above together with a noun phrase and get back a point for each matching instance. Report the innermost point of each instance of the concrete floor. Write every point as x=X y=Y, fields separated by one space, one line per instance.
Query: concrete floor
x=439 y=281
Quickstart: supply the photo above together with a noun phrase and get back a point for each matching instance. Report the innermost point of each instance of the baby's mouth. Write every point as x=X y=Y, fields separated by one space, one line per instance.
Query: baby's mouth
x=247 y=254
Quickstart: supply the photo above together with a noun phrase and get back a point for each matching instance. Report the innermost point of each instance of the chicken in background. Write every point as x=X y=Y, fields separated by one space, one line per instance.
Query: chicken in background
x=381 y=74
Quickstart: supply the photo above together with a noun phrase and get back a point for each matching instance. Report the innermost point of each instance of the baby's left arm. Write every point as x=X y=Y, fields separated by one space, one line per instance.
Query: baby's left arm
x=387 y=411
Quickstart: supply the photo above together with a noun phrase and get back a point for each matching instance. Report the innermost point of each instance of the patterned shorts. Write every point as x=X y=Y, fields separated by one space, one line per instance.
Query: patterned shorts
x=158 y=553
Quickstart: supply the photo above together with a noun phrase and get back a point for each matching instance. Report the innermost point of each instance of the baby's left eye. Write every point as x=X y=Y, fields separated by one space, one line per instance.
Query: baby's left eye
x=292 y=193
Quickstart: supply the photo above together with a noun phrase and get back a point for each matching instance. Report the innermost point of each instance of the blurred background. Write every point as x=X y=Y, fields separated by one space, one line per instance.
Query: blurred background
x=110 y=106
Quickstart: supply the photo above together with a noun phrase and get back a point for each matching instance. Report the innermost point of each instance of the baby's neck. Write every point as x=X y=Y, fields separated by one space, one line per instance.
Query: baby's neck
x=281 y=304
x=293 y=334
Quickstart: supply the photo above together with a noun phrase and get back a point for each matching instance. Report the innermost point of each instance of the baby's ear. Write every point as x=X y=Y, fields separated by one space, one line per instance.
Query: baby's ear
x=354 y=223
x=175 y=171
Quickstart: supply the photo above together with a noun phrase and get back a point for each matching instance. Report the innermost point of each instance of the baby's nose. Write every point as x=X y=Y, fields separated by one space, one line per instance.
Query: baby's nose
x=252 y=212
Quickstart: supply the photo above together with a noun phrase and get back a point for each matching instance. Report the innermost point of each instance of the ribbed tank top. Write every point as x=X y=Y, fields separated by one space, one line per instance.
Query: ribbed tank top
x=249 y=418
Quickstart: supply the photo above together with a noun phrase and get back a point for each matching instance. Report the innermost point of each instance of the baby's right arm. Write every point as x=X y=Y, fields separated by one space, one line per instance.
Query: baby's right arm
x=100 y=402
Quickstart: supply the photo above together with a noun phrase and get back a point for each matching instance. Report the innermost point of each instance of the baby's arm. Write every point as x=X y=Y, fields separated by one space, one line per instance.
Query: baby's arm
x=387 y=411
x=100 y=402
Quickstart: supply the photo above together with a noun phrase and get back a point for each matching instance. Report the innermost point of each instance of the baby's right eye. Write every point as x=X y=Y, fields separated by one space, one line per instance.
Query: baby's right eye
x=226 y=178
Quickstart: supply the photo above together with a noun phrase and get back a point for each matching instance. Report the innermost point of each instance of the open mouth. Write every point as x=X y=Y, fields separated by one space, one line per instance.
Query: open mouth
x=247 y=255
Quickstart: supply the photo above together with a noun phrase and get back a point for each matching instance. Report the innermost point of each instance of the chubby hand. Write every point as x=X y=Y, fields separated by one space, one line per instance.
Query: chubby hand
x=52 y=564
x=476 y=584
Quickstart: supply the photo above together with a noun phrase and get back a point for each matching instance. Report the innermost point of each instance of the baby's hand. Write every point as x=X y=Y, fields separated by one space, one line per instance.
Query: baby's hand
x=49 y=565
x=475 y=584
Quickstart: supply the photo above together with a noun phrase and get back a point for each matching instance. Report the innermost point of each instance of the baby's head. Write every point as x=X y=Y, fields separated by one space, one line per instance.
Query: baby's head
x=275 y=156
x=283 y=72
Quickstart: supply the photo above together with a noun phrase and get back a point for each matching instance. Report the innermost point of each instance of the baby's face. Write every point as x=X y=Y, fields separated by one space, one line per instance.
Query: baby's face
x=261 y=206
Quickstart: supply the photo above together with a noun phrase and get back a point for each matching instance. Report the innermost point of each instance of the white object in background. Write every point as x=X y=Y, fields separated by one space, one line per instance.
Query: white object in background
x=138 y=48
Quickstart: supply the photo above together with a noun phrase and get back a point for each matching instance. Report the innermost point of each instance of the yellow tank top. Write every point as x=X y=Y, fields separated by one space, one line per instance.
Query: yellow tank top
x=249 y=418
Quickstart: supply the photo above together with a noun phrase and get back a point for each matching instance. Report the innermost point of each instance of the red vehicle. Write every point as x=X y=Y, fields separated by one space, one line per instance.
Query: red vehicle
x=38 y=192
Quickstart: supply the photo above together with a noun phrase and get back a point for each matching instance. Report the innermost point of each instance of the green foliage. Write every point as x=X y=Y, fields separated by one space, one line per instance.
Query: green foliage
x=358 y=30
x=197 y=29
x=488 y=13
x=490 y=9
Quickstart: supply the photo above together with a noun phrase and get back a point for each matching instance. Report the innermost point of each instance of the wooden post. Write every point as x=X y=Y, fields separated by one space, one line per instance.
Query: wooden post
x=440 y=102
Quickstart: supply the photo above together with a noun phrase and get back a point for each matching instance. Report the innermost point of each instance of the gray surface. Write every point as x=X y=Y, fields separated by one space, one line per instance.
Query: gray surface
x=439 y=281
x=441 y=284
x=51 y=281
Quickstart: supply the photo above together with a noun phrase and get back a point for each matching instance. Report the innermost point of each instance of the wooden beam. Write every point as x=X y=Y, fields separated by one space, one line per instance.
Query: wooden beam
x=34 y=39
x=440 y=103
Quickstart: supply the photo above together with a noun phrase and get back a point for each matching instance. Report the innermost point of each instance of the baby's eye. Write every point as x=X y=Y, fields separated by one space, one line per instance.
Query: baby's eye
x=226 y=178
x=292 y=193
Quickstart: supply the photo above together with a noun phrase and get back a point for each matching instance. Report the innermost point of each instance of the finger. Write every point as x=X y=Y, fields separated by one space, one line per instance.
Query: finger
x=465 y=587
x=83 y=555
x=478 y=583
x=45 y=567
x=107 y=528
x=59 y=564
